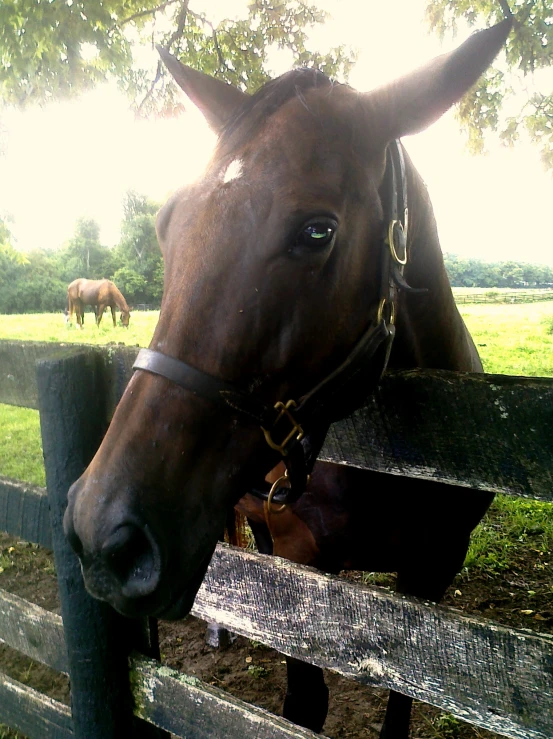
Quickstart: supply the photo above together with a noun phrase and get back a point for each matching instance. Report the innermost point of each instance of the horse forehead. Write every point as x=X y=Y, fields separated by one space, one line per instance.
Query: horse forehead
x=302 y=153
x=312 y=130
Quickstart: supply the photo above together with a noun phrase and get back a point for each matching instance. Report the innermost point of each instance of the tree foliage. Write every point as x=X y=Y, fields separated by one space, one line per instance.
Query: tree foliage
x=50 y=50
x=492 y=104
x=84 y=255
x=467 y=272
x=37 y=281
x=140 y=274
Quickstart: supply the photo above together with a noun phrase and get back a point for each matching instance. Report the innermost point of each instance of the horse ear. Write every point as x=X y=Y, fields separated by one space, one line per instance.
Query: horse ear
x=215 y=99
x=413 y=102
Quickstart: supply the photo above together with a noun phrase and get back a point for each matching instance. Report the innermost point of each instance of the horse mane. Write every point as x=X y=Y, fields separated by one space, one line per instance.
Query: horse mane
x=235 y=529
x=255 y=110
x=119 y=297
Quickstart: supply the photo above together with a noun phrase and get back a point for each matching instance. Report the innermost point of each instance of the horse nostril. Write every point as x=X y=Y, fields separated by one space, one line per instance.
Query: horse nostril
x=71 y=535
x=133 y=557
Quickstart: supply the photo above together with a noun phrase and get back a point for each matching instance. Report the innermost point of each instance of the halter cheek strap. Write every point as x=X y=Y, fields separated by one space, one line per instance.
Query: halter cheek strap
x=297 y=429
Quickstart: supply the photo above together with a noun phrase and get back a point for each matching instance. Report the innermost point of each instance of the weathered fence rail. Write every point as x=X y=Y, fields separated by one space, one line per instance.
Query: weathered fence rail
x=485 y=432
x=513 y=296
x=489 y=432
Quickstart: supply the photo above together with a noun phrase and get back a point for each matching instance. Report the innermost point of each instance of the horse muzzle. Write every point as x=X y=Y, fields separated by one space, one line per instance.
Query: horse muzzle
x=124 y=564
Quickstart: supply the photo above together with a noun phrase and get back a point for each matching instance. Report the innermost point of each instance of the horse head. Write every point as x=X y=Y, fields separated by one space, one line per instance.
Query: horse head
x=272 y=277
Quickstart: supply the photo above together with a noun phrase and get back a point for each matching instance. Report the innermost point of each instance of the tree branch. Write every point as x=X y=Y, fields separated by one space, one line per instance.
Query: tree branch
x=181 y=20
x=177 y=33
x=507 y=12
x=221 y=58
x=218 y=48
x=222 y=63
x=150 y=92
x=142 y=13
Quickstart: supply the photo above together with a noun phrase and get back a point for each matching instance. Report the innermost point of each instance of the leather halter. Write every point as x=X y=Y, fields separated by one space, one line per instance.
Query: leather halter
x=297 y=429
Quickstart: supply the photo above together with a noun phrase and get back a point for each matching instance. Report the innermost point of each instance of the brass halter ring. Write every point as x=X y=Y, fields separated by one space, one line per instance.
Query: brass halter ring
x=380 y=313
x=272 y=491
x=401 y=260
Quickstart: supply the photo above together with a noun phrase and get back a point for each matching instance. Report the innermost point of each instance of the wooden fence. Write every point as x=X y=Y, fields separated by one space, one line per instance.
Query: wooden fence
x=503 y=296
x=486 y=432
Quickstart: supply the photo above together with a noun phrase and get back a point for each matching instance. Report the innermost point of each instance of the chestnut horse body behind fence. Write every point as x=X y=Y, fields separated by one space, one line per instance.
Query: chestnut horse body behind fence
x=308 y=245
x=100 y=294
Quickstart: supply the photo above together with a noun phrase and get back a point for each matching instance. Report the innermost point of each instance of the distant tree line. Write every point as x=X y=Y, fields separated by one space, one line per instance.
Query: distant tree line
x=465 y=272
x=37 y=280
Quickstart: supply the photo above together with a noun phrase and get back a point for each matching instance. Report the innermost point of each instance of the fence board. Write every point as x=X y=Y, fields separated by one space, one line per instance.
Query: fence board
x=32 y=630
x=492 y=676
x=463 y=429
x=165 y=697
x=432 y=425
x=18 y=359
x=483 y=673
x=24 y=512
x=188 y=707
x=33 y=713
x=513 y=296
x=488 y=432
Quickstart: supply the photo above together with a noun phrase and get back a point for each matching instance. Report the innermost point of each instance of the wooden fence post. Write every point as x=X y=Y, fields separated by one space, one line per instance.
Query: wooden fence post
x=74 y=418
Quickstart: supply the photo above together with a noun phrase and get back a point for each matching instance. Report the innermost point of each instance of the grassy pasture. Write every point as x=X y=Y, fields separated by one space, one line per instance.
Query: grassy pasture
x=52 y=327
x=513 y=339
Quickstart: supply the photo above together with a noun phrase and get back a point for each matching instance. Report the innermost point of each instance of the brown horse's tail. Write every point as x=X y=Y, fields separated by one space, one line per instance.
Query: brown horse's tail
x=235 y=529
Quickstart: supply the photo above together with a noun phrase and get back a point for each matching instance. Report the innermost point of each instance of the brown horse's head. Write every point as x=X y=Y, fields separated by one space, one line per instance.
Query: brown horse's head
x=125 y=317
x=271 y=276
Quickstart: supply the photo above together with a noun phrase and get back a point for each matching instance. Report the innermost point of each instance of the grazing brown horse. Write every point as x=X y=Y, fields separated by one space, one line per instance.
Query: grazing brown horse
x=101 y=294
x=289 y=267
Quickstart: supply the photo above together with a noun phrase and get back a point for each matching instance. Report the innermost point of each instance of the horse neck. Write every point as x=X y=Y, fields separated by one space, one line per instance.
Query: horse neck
x=430 y=332
x=120 y=301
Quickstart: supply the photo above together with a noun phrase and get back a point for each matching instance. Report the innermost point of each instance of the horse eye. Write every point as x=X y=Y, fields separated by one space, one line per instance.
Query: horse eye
x=317 y=233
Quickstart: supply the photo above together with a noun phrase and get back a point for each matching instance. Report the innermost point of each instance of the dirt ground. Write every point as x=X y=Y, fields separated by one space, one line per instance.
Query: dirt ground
x=519 y=597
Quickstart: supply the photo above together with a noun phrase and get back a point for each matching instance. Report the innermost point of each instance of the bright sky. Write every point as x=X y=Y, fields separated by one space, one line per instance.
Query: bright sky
x=78 y=159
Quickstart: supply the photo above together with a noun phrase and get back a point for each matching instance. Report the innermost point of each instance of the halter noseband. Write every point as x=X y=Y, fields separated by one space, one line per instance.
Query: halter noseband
x=297 y=429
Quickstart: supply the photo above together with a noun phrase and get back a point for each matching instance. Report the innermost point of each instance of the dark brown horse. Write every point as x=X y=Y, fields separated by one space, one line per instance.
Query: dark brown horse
x=100 y=294
x=286 y=268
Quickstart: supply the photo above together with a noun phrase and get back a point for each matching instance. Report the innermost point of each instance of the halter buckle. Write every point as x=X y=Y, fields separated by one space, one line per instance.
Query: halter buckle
x=297 y=431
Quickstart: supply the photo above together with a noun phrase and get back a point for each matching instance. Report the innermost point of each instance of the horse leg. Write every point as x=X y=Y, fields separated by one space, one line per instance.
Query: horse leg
x=426 y=577
x=262 y=536
x=113 y=316
x=306 y=701
x=79 y=313
x=101 y=309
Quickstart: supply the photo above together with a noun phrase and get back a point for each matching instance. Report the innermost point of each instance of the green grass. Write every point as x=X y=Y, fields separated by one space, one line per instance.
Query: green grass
x=20 y=445
x=7 y=733
x=512 y=339
x=514 y=525
x=52 y=327
x=22 y=553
